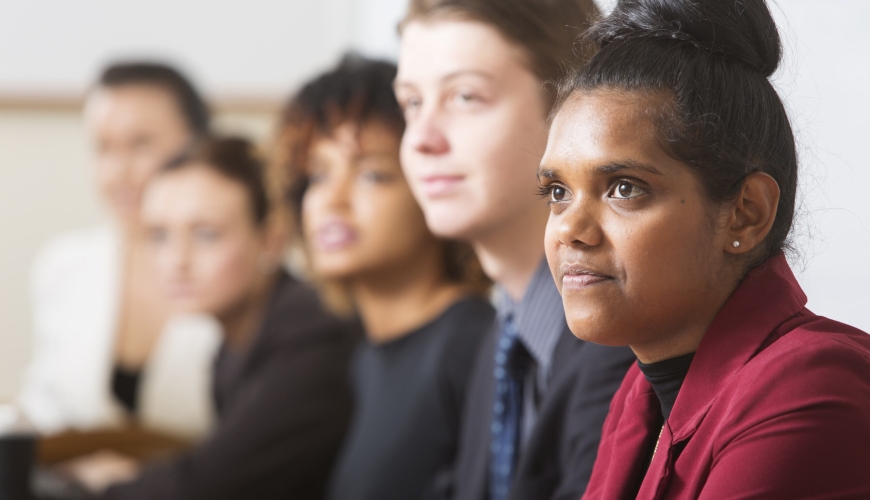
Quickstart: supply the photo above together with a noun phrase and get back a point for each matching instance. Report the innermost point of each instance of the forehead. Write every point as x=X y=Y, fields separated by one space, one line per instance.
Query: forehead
x=195 y=191
x=129 y=105
x=353 y=138
x=433 y=49
x=603 y=126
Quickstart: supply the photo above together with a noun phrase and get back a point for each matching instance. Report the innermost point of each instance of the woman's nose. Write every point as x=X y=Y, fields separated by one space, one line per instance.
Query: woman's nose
x=425 y=134
x=178 y=256
x=578 y=226
x=338 y=190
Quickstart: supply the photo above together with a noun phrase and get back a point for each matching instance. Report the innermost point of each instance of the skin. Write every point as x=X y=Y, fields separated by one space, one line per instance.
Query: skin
x=135 y=129
x=476 y=131
x=363 y=228
x=210 y=254
x=639 y=255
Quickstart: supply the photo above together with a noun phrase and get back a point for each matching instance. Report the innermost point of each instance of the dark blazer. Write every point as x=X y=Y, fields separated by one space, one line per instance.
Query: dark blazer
x=776 y=404
x=557 y=459
x=283 y=405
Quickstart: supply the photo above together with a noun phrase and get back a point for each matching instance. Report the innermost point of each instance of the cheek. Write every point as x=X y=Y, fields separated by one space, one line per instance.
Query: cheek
x=551 y=249
x=389 y=222
x=106 y=175
x=312 y=211
x=667 y=253
x=226 y=273
x=506 y=156
x=143 y=166
x=668 y=269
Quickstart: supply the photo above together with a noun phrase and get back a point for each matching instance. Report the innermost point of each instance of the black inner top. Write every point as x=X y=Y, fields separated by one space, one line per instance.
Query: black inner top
x=125 y=386
x=409 y=394
x=666 y=378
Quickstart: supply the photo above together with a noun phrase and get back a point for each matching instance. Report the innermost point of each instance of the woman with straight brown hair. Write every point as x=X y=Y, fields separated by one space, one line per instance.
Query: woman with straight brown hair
x=420 y=298
x=280 y=377
x=473 y=81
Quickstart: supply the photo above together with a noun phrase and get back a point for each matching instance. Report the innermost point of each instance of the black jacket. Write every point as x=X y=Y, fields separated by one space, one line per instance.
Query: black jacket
x=557 y=459
x=284 y=406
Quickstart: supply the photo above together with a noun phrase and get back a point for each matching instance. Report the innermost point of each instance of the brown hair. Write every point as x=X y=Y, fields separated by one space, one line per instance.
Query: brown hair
x=358 y=91
x=191 y=105
x=235 y=158
x=547 y=30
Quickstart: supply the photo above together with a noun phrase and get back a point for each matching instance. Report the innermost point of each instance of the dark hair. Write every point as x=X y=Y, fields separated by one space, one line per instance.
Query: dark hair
x=234 y=158
x=190 y=103
x=710 y=60
x=357 y=91
x=545 y=29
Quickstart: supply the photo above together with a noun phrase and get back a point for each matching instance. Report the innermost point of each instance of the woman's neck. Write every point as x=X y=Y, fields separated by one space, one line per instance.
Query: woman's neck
x=511 y=254
x=392 y=305
x=241 y=323
x=684 y=339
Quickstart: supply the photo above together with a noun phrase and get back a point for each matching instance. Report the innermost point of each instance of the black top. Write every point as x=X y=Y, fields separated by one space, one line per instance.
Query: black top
x=666 y=378
x=409 y=395
x=125 y=386
x=283 y=404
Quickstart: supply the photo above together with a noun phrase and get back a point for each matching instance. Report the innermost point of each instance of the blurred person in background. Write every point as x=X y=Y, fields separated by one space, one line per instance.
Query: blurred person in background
x=281 y=377
x=420 y=298
x=473 y=83
x=103 y=353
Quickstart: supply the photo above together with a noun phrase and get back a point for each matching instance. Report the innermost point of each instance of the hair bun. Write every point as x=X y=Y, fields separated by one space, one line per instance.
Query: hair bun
x=742 y=31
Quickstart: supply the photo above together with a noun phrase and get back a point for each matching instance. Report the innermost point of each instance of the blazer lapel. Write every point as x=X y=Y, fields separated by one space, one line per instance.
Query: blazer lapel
x=767 y=296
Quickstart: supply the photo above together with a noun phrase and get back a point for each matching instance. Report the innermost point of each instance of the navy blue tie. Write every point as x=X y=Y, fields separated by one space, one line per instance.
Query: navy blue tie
x=511 y=363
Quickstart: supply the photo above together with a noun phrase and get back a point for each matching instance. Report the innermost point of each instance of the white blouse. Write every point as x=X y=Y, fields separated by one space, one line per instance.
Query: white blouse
x=75 y=297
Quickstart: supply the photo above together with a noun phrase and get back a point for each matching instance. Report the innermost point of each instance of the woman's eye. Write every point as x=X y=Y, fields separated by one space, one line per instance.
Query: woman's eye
x=558 y=193
x=553 y=193
x=207 y=235
x=373 y=176
x=157 y=236
x=411 y=103
x=316 y=178
x=466 y=97
x=625 y=190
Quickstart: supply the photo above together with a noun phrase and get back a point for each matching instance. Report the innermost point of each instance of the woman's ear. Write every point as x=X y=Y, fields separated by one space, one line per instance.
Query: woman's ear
x=752 y=216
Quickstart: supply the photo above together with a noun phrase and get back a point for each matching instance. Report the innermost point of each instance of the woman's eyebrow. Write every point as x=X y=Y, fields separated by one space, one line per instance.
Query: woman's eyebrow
x=546 y=173
x=399 y=84
x=624 y=165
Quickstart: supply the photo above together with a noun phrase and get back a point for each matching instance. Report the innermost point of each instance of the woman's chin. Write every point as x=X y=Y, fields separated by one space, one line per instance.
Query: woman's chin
x=588 y=331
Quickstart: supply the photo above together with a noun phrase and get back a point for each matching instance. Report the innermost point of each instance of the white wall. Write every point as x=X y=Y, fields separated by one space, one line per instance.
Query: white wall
x=823 y=82
x=263 y=49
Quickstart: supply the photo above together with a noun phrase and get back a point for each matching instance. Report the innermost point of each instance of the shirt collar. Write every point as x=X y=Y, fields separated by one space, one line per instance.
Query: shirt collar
x=539 y=316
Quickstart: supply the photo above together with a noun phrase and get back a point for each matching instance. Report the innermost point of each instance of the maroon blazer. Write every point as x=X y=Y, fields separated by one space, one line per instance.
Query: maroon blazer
x=776 y=404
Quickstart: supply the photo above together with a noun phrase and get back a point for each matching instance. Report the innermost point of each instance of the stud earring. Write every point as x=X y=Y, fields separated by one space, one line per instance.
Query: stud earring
x=736 y=244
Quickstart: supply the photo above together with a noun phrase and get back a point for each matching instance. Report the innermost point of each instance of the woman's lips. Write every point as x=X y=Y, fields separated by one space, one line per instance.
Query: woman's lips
x=335 y=236
x=437 y=186
x=579 y=277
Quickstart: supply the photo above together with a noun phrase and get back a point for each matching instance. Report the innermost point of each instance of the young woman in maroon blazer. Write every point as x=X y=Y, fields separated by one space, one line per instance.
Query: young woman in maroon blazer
x=671 y=174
